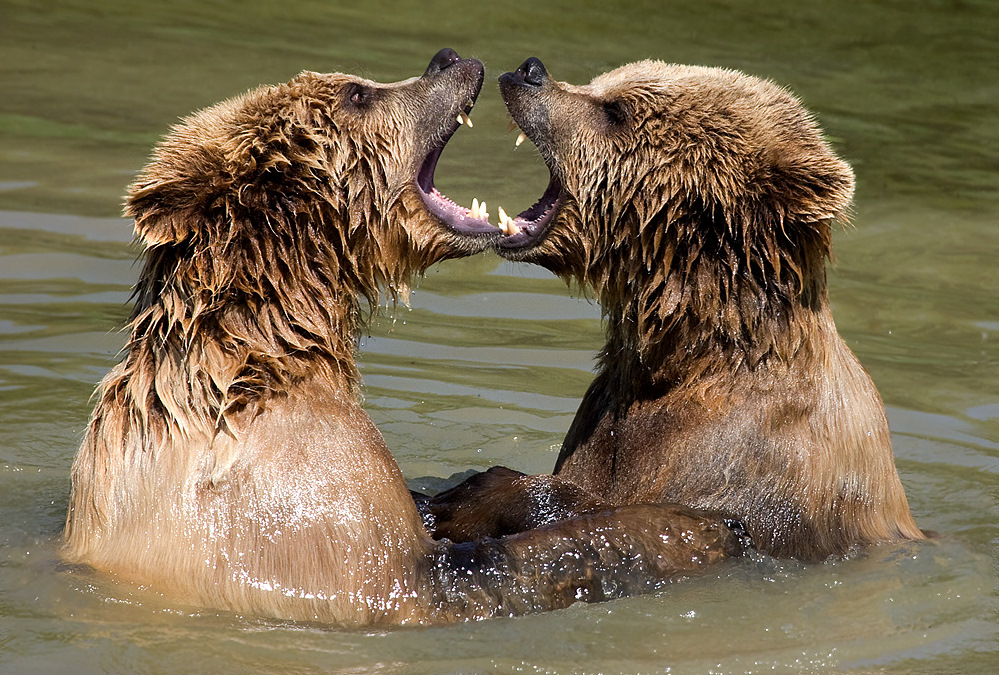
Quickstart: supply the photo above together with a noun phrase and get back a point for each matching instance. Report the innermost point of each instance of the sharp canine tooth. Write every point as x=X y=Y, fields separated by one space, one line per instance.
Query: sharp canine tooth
x=468 y=121
x=511 y=126
x=475 y=208
x=483 y=213
x=520 y=139
x=506 y=223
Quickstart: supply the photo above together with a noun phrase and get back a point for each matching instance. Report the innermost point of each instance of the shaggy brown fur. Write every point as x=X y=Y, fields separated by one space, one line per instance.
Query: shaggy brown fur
x=697 y=203
x=228 y=462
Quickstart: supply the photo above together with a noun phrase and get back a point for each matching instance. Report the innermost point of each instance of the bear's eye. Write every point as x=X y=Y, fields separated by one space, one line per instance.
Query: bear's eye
x=616 y=111
x=359 y=95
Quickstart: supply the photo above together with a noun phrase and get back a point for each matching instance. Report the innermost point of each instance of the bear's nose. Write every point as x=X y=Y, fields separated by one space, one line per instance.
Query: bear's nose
x=533 y=71
x=442 y=60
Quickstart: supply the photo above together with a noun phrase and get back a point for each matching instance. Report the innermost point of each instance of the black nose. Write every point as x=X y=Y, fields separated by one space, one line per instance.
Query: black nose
x=442 y=60
x=533 y=71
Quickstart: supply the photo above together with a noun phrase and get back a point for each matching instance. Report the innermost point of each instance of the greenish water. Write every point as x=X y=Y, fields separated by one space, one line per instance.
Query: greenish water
x=488 y=364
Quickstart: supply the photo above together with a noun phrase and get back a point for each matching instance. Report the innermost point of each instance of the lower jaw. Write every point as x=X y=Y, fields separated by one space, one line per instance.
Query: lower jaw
x=514 y=238
x=531 y=226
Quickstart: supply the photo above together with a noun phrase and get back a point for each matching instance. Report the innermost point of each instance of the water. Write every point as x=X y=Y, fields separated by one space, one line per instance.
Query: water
x=488 y=364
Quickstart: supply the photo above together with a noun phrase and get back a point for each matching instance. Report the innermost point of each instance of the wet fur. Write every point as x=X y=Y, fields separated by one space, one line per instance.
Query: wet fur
x=228 y=462
x=698 y=205
x=501 y=501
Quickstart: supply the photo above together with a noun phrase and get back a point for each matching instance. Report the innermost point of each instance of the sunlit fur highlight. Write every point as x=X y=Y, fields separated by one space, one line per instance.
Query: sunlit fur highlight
x=698 y=205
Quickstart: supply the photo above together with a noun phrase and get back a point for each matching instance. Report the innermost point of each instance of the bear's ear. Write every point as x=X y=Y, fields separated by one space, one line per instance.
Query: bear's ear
x=811 y=185
x=158 y=220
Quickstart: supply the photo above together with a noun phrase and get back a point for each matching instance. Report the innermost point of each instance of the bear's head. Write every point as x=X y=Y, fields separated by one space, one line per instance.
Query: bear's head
x=268 y=219
x=680 y=194
x=325 y=182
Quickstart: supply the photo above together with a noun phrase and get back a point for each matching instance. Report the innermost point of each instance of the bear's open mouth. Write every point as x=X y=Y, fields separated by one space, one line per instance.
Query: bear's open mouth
x=527 y=228
x=519 y=232
x=469 y=222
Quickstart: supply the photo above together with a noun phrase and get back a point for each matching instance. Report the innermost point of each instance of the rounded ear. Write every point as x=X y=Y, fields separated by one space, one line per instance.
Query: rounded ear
x=812 y=185
x=184 y=177
x=158 y=218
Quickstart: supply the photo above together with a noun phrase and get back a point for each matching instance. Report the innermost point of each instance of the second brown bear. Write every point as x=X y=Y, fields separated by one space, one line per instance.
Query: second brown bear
x=698 y=204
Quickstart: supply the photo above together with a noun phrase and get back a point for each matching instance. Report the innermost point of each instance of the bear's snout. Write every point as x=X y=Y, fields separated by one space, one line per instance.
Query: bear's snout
x=442 y=60
x=531 y=73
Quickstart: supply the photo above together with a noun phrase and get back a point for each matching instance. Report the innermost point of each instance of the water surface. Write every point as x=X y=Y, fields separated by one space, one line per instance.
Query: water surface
x=488 y=363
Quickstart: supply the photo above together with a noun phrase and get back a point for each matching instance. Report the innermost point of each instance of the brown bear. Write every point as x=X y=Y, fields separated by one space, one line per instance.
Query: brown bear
x=228 y=462
x=697 y=203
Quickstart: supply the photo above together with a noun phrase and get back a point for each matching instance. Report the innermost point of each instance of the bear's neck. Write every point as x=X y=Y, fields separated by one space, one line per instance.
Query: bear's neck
x=695 y=352
x=709 y=315
x=224 y=354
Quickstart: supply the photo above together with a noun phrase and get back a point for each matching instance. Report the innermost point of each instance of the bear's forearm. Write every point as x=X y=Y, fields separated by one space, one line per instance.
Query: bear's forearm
x=501 y=502
x=591 y=558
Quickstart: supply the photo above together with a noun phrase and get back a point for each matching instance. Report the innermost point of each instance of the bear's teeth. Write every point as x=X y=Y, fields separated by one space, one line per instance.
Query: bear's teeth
x=510 y=127
x=506 y=223
x=478 y=211
x=520 y=139
x=443 y=197
x=464 y=119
